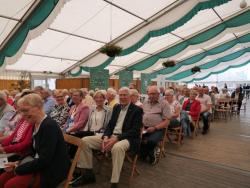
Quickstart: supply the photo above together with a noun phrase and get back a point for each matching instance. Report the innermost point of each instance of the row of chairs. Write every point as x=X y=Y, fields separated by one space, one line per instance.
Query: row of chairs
x=225 y=108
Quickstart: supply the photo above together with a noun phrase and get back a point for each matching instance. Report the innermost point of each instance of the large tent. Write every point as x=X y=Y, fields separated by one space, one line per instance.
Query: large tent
x=64 y=36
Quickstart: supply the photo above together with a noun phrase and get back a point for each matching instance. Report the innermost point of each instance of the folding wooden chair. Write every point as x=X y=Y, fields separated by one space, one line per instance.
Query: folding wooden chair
x=162 y=146
x=223 y=108
x=178 y=133
x=233 y=106
x=133 y=160
x=196 y=125
x=77 y=142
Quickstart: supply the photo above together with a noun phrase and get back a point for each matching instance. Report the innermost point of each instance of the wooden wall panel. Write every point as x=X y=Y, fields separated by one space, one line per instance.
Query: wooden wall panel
x=85 y=83
x=8 y=84
x=114 y=83
x=68 y=83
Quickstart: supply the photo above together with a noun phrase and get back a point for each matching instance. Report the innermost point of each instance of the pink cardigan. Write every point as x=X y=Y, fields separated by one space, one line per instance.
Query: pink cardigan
x=80 y=118
x=24 y=143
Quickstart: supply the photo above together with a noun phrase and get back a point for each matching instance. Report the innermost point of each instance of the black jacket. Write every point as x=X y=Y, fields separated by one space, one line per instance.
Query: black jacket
x=240 y=98
x=53 y=162
x=131 y=126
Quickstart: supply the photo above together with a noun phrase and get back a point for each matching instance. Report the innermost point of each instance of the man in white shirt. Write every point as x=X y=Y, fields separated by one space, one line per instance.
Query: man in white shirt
x=206 y=108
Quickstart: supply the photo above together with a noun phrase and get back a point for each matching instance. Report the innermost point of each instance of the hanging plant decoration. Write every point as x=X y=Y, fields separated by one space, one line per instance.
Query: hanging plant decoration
x=111 y=50
x=169 y=63
x=195 y=69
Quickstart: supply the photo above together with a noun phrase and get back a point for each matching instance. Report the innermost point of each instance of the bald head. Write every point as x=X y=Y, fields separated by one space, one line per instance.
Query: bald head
x=200 y=90
x=153 y=94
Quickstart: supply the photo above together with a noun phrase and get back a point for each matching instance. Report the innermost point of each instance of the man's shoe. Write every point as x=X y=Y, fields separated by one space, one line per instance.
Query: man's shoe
x=114 y=185
x=83 y=180
x=76 y=175
x=154 y=158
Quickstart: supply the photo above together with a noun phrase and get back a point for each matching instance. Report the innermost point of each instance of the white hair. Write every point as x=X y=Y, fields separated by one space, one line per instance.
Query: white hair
x=112 y=91
x=124 y=89
x=133 y=92
x=169 y=91
x=154 y=87
x=100 y=92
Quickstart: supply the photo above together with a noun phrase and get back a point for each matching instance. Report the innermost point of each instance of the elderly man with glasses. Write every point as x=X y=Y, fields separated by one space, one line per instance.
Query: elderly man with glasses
x=156 y=118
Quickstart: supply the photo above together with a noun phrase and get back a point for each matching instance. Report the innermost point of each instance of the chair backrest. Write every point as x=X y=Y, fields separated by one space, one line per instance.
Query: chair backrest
x=76 y=142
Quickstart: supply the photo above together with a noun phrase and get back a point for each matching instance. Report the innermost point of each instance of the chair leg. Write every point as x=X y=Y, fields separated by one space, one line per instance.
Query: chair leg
x=195 y=130
x=134 y=169
x=180 y=137
x=161 y=150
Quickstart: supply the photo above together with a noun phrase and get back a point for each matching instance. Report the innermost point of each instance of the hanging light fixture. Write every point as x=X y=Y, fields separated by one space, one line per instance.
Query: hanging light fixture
x=110 y=49
x=243 y=4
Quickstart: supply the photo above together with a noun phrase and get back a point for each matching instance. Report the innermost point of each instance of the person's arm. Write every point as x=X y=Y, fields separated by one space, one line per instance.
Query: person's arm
x=209 y=104
x=177 y=111
x=47 y=147
x=5 y=119
x=80 y=119
x=49 y=105
x=2 y=138
x=166 y=116
x=20 y=146
x=110 y=127
x=7 y=140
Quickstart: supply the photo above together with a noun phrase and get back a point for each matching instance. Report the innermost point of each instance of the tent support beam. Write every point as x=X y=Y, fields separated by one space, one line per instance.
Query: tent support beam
x=79 y=36
x=52 y=57
x=125 y=10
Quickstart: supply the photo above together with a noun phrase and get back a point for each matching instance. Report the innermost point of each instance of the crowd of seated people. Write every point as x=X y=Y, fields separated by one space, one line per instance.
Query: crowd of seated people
x=32 y=124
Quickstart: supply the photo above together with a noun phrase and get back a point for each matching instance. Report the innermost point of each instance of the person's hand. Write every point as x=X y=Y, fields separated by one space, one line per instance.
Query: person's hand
x=1 y=150
x=110 y=142
x=10 y=166
x=104 y=142
x=151 y=129
x=68 y=130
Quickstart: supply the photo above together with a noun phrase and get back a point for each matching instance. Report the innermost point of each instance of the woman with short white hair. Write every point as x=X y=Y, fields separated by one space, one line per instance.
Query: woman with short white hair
x=99 y=115
x=134 y=95
x=174 y=107
x=111 y=97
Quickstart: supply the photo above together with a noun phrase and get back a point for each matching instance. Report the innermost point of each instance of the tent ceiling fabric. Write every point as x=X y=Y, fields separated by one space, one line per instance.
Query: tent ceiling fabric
x=217 y=50
x=76 y=30
x=244 y=60
x=36 y=16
